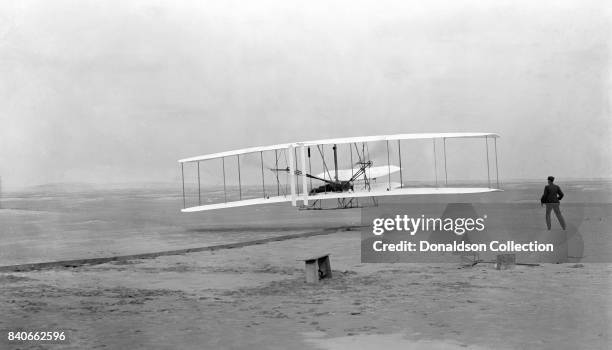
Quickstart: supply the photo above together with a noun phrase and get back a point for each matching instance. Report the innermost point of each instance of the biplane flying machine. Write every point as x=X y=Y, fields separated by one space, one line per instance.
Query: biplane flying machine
x=288 y=172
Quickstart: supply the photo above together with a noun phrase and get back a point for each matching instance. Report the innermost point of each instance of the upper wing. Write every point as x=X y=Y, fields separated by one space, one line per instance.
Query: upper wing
x=441 y=135
x=358 y=139
x=236 y=152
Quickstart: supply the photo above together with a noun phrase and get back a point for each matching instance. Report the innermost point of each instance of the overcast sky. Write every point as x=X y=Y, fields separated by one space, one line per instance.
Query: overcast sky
x=117 y=91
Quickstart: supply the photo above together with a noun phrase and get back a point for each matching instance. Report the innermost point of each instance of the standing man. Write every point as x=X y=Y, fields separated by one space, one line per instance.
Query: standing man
x=551 y=197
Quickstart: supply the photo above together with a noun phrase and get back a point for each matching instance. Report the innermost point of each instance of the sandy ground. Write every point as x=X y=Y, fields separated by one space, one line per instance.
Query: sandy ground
x=255 y=298
x=110 y=223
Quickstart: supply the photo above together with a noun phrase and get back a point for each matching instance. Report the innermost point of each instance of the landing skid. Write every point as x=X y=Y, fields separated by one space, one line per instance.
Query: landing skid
x=341 y=203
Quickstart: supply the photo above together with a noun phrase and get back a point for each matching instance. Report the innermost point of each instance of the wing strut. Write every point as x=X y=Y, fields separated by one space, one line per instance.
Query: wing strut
x=351 y=150
x=239 y=180
x=277 y=179
x=304 y=183
x=488 y=174
x=388 y=165
x=286 y=189
x=435 y=162
x=292 y=175
x=445 y=171
x=309 y=167
x=263 y=181
x=335 y=163
x=496 y=168
x=363 y=151
x=399 y=151
x=224 y=188
x=183 y=181
x=199 y=195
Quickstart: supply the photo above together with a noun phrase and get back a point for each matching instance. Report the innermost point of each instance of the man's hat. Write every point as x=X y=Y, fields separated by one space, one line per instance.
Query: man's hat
x=551 y=178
